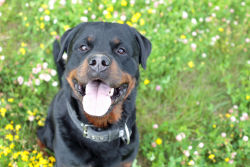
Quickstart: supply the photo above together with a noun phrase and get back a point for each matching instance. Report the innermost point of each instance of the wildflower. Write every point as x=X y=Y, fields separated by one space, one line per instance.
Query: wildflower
x=247 y=97
x=12 y=146
x=178 y=137
x=155 y=126
x=54 y=83
x=46 y=18
x=18 y=127
x=153 y=144
x=183 y=36
x=190 y=147
x=66 y=27
x=9 y=127
x=3 y=111
x=191 y=162
x=93 y=16
x=233 y=119
x=52 y=159
x=245 y=138
x=2 y=58
x=196 y=153
x=10 y=100
x=211 y=156
x=20 y=80
x=9 y=137
x=1 y=49
x=191 y=64
x=201 y=145
x=228 y=115
x=221 y=29
x=146 y=82
x=16 y=137
x=124 y=3
x=231 y=161
x=42 y=25
x=42 y=46
x=194 y=21
x=226 y=159
x=193 y=46
x=22 y=51
x=158 y=87
x=123 y=17
x=223 y=134
x=37 y=82
x=186 y=153
x=84 y=19
x=233 y=154
x=158 y=141
x=184 y=15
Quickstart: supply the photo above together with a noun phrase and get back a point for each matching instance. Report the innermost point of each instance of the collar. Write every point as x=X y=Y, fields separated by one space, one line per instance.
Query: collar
x=99 y=136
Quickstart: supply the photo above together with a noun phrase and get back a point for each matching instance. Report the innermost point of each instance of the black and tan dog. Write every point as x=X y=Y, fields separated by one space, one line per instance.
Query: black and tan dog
x=91 y=121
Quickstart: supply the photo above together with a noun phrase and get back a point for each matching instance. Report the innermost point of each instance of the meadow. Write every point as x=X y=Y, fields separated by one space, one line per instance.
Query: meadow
x=194 y=97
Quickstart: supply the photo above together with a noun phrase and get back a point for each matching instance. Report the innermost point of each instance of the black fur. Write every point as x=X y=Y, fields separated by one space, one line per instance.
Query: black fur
x=59 y=133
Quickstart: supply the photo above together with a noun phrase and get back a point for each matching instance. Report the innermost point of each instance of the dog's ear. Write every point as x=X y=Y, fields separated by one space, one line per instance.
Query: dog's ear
x=65 y=41
x=145 y=48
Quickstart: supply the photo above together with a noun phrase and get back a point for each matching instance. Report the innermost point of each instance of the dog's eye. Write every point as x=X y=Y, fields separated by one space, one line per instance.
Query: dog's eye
x=84 y=48
x=121 y=51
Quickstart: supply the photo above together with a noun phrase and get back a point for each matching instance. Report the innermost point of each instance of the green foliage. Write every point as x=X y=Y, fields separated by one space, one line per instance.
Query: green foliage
x=193 y=99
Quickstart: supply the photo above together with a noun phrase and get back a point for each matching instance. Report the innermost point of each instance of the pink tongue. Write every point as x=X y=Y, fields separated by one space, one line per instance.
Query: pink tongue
x=97 y=100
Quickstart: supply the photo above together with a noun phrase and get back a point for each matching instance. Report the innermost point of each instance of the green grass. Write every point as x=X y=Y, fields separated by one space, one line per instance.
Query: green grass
x=196 y=92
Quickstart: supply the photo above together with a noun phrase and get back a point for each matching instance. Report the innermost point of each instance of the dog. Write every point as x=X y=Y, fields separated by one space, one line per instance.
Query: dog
x=91 y=120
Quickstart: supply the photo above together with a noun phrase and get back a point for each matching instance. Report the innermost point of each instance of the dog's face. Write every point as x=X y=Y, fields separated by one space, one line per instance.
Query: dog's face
x=103 y=67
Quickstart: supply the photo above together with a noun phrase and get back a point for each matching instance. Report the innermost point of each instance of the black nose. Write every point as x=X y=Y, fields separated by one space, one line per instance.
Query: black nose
x=99 y=62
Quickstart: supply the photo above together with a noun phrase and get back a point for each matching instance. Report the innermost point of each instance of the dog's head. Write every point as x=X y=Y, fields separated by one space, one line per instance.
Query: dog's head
x=102 y=67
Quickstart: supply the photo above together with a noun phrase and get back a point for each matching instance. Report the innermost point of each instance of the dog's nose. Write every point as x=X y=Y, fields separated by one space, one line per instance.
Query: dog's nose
x=99 y=62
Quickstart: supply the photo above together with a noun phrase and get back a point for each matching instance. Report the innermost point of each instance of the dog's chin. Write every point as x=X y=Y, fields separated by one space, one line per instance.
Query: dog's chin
x=98 y=98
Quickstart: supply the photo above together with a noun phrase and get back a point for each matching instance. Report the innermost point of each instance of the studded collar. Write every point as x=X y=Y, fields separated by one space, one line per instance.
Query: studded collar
x=89 y=132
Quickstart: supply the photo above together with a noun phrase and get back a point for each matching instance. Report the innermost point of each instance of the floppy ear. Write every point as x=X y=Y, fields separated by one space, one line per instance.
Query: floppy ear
x=65 y=40
x=145 y=49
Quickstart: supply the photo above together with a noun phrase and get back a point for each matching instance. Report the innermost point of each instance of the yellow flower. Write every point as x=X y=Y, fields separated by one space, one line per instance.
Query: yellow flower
x=110 y=9
x=150 y=11
x=41 y=18
x=42 y=25
x=9 y=137
x=16 y=137
x=23 y=44
x=108 y=15
x=66 y=27
x=12 y=146
x=53 y=33
x=191 y=162
x=3 y=111
x=214 y=126
x=9 y=127
x=52 y=159
x=228 y=115
x=211 y=156
x=183 y=36
x=227 y=159
x=15 y=155
x=146 y=82
x=120 y=21
x=247 y=97
x=42 y=46
x=40 y=123
x=129 y=23
x=136 y=17
x=25 y=18
x=47 y=12
x=142 y=22
x=124 y=3
x=221 y=29
x=44 y=6
x=158 y=141
x=27 y=24
x=6 y=151
x=18 y=127
x=191 y=64
x=231 y=125
x=10 y=100
x=22 y=51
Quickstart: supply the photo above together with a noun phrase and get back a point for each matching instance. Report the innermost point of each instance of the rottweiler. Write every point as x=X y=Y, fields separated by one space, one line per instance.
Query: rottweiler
x=92 y=119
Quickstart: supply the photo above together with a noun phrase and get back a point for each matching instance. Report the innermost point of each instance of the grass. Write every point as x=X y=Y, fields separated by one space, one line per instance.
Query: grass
x=194 y=91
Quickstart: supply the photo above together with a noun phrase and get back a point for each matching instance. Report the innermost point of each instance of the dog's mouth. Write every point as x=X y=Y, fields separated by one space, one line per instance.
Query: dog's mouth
x=98 y=98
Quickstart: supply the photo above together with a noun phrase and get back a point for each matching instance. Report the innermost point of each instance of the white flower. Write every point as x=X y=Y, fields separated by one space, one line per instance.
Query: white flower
x=213 y=15
x=185 y=41
x=155 y=126
x=201 y=145
x=217 y=8
x=100 y=6
x=2 y=58
x=190 y=147
x=93 y=16
x=247 y=40
x=223 y=134
x=31 y=118
x=178 y=138
x=86 y=11
x=113 y=1
x=123 y=17
x=1 y=49
x=235 y=107
x=54 y=83
x=232 y=10
x=0 y=14
x=84 y=19
x=40 y=9
x=196 y=153
x=27 y=5
x=194 y=21
x=47 y=77
x=194 y=33
x=63 y=2
x=243 y=3
x=183 y=135
x=204 y=55
x=37 y=82
x=186 y=153
x=245 y=138
x=53 y=72
x=201 y=19
x=233 y=119
x=193 y=46
x=208 y=19
x=74 y=1
x=54 y=21
x=184 y=15
x=45 y=65
x=20 y=80
x=115 y=14
x=46 y=18
x=105 y=12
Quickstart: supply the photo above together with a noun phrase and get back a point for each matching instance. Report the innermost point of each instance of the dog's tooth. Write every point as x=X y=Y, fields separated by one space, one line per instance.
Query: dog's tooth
x=111 y=92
